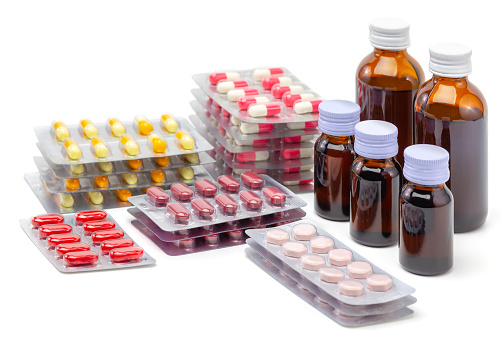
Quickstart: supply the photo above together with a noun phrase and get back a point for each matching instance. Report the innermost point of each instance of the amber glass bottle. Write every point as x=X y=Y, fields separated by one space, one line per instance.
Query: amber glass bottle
x=451 y=112
x=388 y=79
x=427 y=212
x=375 y=185
x=334 y=155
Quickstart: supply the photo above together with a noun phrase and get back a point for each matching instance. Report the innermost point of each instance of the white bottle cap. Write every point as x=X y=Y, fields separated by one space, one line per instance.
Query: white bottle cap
x=450 y=60
x=338 y=117
x=426 y=164
x=376 y=139
x=389 y=34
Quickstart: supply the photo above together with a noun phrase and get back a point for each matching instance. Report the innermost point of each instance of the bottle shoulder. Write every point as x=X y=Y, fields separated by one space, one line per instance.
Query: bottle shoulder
x=386 y=167
x=427 y=196
x=335 y=145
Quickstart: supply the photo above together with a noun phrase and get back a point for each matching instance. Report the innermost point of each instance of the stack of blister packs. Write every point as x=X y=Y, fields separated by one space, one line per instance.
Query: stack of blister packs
x=261 y=120
x=99 y=166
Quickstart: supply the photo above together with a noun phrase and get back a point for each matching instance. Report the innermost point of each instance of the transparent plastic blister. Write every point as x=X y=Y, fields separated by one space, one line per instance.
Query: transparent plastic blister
x=318 y=303
x=397 y=289
x=90 y=251
x=59 y=153
x=286 y=82
x=227 y=205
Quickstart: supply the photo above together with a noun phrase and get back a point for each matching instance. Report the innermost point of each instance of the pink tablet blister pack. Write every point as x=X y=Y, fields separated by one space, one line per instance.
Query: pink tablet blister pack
x=86 y=241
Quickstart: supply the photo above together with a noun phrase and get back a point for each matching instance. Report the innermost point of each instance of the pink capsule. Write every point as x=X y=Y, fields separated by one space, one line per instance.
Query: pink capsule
x=226 y=86
x=245 y=102
x=252 y=180
x=202 y=208
x=274 y=196
x=289 y=98
x=302 y=125
x=252 y=142
x=254 y=128
x=225 y=113
x=260 y=74
x=214 y=78
x=269 y=82
x=296 y=153
x=251 y=200
x=211 y=239
x=181 y=191
x=229 y=183
x=238 y=93
x=292 y=139
x=302 y=106
x=264 y=110
x=253 y=156
x=158 y=197
x=178 y=212
x=227 y=204
x=205 y=188
x=215 y=105
x=186 y=243
x=236 y=235
x=278 y=90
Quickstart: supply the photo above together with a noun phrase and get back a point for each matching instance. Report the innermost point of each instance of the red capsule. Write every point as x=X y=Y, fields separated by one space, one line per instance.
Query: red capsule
x=211 y=239
x=91 y=215
x=296 y=153
x=47 y=219
x=108 y=245
x=225 y=113
x=253 y=156
x=80 y=258
x=57 y=239
x=245 y=102
x=229 y=183
x=100 y=236
x=227 y=204
x=178 y=212
x=289 y=98
x=181 y=191
x=279 y=90
x=293 y=139
x=214 y=78
x=202 y=208
x=205 y=188
x=274 y=196
x=252 y=180
x=270 y=81
x=59 y=228
x=93 y=226
x=251 y=200
x=236 y=235
x=157 y=197
x=62 y=249
x=186 y=243
x=124 y=254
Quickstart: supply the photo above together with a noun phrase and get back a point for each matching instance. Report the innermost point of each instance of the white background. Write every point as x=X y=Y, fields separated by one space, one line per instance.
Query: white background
x=69 y=60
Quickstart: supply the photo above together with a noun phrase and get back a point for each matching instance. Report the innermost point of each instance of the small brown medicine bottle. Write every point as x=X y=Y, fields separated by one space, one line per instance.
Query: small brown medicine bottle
x=334 y=155
x=388 y=79
x=451 y=112
x=376 y=180
x=426 y=212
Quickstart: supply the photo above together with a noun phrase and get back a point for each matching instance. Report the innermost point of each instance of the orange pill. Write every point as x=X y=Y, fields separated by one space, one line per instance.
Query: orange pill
x=142 y=125
x=135 y=164
x=163 y=161
x=123 y=194
x=72 y=184
x=157 y=176
x=156 y=143
x=101 y=181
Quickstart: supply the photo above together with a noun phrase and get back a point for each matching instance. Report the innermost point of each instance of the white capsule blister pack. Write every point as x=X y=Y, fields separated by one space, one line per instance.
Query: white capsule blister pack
x=57 y=152
x=205 y=204
x=255 y=99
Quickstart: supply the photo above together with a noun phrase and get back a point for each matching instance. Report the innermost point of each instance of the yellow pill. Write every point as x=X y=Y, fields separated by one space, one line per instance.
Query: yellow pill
x=65 y=200
x=135 y=164
x=106 y=166
x=72 y=149
x=186 y=173
x=88 y=128
x=60 y=131
x=77 y=169
x=101 y=181
x=155 y=143
x=130 y=178
x=99 y=147
x=129 y=145
x=163 y=161
x=142 y=125
x=116 y=127
x=123 y=194
x=96 y=197
x=192 y=158
x=169 y=123
x=157 y=176
x=185 y=140
x=72 y=184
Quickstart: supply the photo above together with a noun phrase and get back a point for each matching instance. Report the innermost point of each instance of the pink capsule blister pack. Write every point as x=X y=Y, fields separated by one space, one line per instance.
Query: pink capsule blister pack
x=264 y=95
x=85 y=241
x=206 y=203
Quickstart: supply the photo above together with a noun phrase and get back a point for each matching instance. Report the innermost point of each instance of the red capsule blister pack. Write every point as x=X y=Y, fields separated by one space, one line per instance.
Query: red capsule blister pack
x=250 y=196
x=86 y=241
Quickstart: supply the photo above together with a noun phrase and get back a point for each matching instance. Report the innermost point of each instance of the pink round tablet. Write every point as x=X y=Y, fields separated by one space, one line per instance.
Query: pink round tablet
x=321 y=244
x=277 y=236
x=379 y=282
x=304 y=232
x=312 y=262
x=351 y=288
x=359 y=270
x=294 y=249
x=340 y=257
x=331 y=275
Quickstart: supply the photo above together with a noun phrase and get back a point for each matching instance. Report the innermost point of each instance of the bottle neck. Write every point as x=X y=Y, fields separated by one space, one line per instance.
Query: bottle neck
x=438 y=78
x=392 y=53
x=339 y=140
x=425 y=187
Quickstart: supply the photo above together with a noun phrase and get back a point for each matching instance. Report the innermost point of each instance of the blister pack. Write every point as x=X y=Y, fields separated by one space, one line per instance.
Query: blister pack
x=88 y=143
x=277 y=98
x=319 y=304
x=85 y=241
x=183 y=207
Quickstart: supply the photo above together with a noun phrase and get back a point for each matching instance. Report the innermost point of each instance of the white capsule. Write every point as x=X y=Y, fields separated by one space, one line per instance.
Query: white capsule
x=254 y=128
x=303 y=107
x=226 y=86
x=306 y=138
x=260 y=74
x=235 y=121
x=235 y=95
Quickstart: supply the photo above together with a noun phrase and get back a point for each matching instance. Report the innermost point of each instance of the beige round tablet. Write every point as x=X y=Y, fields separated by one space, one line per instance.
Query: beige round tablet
x=321 y=244
x=340 y=257
x=277 y=236
x=379 y=282
x=312 y=262
x=351 y=288
x=359 y=270
x=304 y=232
x=294 y=249
x=331 y=275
